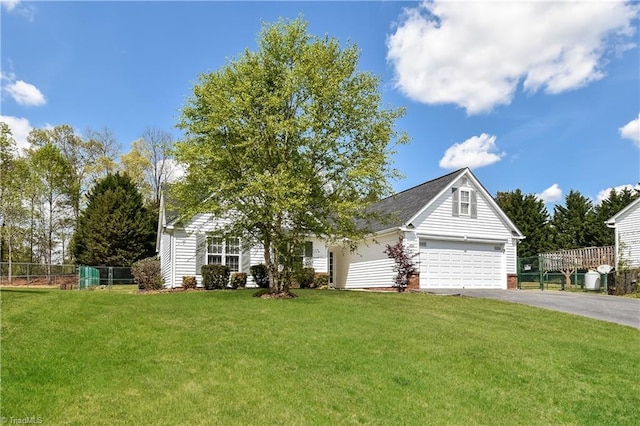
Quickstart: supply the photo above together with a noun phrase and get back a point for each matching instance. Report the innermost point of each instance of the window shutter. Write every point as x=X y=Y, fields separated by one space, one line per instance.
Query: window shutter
x=455 y=204
x=474 y=205
x=201 y=252
x=308 y=249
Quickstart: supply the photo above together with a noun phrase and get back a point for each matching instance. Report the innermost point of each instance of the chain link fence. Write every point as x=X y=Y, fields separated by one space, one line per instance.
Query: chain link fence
x=36 y=274
x=65 y=277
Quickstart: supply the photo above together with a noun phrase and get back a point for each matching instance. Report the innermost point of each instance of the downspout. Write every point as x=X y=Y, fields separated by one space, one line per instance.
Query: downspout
x=613 y=226
x=173 y=261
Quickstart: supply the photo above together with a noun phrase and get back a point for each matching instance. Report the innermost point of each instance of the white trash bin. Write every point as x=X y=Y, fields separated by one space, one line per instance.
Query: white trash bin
x=592 y=281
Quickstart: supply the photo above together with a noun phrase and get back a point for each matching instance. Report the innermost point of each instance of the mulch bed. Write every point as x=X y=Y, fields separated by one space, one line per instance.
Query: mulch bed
x=281 y=295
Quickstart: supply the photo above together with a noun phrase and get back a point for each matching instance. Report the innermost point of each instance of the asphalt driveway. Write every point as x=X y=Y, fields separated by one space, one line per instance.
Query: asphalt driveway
x=620 y=310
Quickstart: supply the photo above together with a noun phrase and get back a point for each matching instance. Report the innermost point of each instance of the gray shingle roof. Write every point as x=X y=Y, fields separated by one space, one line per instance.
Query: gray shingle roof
x=392 y=211
x=401 y=207
x=171 y=211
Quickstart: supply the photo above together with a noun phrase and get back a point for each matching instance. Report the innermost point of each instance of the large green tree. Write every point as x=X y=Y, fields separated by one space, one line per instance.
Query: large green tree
x=12 y=212
x=104 y=149
x=288 y=141
x=530 y=215
x=87 y=158
x=157 y=148
x=135 y=164
x=115 y=229
x=150 y=162
x=574 y=222
x=615 y=201
x=48 y=172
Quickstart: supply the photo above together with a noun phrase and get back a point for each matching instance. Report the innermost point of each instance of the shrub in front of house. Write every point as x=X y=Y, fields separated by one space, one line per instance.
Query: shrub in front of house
x=623 y=282
x=215 y=277
x=238 y=280
x=320 y=280
x=260 y=275
x=146 y=273
x=189 y=282
x=304 y=277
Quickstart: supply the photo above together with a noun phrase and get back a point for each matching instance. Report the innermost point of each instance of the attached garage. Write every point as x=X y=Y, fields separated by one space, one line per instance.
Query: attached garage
x=462 y=264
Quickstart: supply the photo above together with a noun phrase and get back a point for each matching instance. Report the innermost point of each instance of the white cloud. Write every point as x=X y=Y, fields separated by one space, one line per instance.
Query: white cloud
x=604 y=194
x=25 y=93
x=17 y=6
x=173 y=170
x=551 y=194
x=20 y=129
x=474 y=54
x=475 y=152
x=22 y=92
x=10 y=5
x=631 y=130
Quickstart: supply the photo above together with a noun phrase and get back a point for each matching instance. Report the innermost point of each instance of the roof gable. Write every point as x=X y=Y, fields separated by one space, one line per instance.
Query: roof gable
x=400 y=208
x=404 y=207
x=629 y=208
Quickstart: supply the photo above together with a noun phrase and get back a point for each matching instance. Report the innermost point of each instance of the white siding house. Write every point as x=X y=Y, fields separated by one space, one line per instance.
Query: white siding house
x=184 y=247
x=458 y=235
x=626 y=224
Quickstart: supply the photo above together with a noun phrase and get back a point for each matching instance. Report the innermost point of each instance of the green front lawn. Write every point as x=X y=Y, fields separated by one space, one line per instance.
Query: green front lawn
x=326 y=357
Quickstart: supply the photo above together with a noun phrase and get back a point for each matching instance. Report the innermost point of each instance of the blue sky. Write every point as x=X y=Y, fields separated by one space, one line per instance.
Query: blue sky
x=541 y=96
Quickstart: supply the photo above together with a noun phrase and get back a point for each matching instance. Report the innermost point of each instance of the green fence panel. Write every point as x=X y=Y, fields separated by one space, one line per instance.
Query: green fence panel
x=87 y=277
x=529 y=273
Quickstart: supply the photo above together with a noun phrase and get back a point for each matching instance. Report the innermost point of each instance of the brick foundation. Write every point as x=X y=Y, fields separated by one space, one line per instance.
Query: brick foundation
x=414 y=282
x=512 y=281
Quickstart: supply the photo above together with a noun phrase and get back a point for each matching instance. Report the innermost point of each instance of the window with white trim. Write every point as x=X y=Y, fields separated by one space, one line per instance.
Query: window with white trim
x=465 y=202
x=224 y=251
x=303 y=255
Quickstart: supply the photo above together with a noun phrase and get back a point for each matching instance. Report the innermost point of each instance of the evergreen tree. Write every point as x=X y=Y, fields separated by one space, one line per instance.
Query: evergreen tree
x=575 y=222
x=115 y=229
x=615 y=202
x=530 y=215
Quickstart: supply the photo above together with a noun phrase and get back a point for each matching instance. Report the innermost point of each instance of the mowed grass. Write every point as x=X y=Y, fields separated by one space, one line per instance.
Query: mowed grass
x=326 y=357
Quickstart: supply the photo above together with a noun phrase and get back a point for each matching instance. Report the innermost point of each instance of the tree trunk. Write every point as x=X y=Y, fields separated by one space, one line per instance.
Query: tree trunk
x=271 y=265
x=50 y=240
x=10 y=261
x=567 y=277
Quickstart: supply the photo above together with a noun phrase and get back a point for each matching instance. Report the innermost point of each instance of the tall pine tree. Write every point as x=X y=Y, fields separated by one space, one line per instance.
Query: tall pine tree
x=115 y=229
x=611 y=205
x=575 y=222
x=530 y=215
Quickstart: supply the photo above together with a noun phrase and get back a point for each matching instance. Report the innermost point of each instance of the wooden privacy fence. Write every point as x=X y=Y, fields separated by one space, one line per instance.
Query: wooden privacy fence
x=582 y=258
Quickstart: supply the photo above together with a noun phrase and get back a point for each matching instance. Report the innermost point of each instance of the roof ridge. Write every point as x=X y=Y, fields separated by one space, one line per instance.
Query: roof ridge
x=423 y=183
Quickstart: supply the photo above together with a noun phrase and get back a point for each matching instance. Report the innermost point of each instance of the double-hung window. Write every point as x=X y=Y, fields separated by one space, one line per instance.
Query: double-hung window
x=303 y=255
x=224 y=251
x=465 y=202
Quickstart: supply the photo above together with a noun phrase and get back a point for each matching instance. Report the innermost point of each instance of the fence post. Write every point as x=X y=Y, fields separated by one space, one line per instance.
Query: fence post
x=110 y=282
x=541 y=272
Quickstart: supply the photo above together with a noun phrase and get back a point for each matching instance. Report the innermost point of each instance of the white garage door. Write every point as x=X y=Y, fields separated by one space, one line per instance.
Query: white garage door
x=452 y=264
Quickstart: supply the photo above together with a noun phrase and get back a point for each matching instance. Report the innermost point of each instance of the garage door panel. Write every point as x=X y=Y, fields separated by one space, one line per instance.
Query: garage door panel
x=453 y=264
